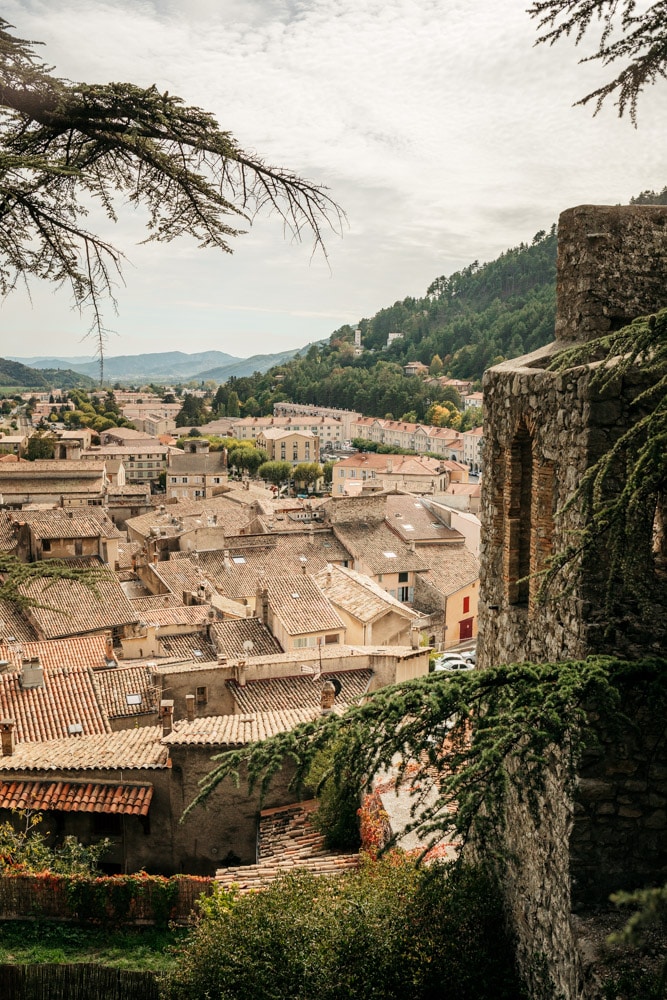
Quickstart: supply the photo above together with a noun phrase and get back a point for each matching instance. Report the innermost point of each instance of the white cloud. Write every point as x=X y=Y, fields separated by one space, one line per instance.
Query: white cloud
x=439 y=127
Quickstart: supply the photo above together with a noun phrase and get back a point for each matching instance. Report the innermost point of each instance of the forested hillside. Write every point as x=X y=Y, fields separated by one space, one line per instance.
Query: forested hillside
x=464 y=323
x=12 y=373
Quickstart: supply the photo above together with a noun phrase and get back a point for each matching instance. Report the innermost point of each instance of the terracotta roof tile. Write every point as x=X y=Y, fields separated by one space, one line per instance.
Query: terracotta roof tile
x=369 y=542
x=229 y=637
x=119 y=688
x=69 y=523
x=126 y=749
x=450 y=568
x=276 y=554
x=73 y=796
x=67 y=697
x=195 y=646
x=75 y=651
x=13 y=622
x=286 y=693
x=287 y=841
x=300 y=605
x=71 y=608
x=238 y=730
x=143 y=604
x=358 y=595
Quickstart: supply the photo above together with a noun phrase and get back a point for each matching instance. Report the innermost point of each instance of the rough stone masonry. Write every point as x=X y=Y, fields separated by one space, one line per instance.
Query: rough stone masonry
x=543 y=430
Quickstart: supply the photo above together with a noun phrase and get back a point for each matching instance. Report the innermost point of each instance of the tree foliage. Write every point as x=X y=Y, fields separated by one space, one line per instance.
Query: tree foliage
x=634 y=37
x=622 y=496
x=63 y=145
x=387 y=932
x=463 y=730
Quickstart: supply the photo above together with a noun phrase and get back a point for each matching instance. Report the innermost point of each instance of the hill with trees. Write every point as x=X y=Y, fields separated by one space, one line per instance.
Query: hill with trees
x=14 y=374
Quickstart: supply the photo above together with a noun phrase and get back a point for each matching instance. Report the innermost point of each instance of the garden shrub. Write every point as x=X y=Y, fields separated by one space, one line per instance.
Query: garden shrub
x=391 y=930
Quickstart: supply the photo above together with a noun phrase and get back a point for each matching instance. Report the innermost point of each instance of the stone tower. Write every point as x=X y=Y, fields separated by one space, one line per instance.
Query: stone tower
x=544 y=429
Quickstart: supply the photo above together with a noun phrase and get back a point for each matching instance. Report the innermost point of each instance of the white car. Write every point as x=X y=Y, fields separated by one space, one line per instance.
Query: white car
x=452 y=663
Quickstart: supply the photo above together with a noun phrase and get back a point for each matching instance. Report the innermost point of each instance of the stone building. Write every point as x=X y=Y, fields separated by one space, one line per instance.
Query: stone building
x=543 y=429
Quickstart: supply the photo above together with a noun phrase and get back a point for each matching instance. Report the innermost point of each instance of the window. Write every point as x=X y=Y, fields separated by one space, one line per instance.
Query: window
x=331 y=640
x=302 y=641
x=46 y=545
x=466 y=605
x=403 y=594
x=201 y=695
x=403 y=577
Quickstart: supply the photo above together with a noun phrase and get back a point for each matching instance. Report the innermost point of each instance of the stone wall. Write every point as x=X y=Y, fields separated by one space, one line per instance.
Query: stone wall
x=543 y=430
x=612 y=265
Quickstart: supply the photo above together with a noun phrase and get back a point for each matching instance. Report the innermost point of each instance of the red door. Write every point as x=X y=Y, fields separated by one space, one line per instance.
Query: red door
x=465 y=629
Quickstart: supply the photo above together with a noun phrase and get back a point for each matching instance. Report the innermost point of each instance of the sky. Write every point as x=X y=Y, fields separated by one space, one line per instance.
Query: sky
x=437 y=125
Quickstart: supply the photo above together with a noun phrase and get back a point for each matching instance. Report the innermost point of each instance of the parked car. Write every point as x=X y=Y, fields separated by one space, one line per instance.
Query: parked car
x=470 y=655
x=452 y=664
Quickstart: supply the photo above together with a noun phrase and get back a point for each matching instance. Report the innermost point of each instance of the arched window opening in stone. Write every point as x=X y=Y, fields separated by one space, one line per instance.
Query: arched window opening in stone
x=659 y=538
x=518 y=502
x=542 y=531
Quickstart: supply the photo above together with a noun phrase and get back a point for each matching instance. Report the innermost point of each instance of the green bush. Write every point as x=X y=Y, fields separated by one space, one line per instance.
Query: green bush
x=392 y=930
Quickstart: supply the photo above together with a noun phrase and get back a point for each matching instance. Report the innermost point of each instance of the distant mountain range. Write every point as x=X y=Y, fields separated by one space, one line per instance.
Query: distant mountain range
x=167 y=366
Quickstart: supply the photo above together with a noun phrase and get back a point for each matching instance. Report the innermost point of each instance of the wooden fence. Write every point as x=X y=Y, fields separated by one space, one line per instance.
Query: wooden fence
x=75 y=982
x=107 y=900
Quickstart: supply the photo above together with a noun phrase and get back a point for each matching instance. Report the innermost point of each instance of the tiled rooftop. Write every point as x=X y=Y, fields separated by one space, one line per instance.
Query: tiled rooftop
x=413 y=521
x=163 y=617
x=195 y=646
x=287 y=840
x=179 y=575
x=237 y=730
x=13 y=622
x=75 y=651
x=71 y=608
x=357 y=594
x=253 y=556
x=7 y=534
x=371 y=541
x=450 y=569
x=69 y=523
x=300 y=606
x=143 y=604
x=68 y=697
x=302 y=692
x=128 y=749
x=74 y=796
x=124 y=692
x=229 y=637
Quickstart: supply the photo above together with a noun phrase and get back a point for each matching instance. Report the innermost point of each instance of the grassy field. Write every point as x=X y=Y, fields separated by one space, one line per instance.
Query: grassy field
x=141 y=949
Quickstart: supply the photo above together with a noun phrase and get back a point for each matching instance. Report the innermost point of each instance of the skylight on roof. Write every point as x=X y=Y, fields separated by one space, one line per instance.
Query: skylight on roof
x=239 y=560
x=75 y=729
x=389 y=555
x=408 y=527
x=197 y=652
x=133 y=699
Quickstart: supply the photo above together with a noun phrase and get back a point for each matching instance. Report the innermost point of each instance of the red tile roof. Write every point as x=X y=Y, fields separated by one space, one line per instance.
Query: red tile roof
x=75 y=651
x=67 y=697
x=73 y=796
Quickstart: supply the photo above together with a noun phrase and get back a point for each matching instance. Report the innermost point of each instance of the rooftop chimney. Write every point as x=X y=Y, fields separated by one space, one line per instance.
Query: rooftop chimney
x=167 y=715
x=7 y=736
x=32 y=673
x=327 y=698
x=108 y=647
x=190 y=707
x=262 y=603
